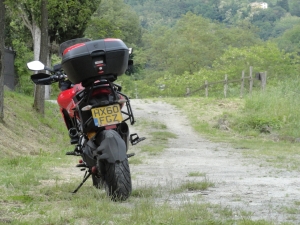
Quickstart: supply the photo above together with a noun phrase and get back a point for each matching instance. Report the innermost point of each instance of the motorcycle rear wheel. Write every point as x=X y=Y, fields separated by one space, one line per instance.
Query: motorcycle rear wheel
x=118 y=180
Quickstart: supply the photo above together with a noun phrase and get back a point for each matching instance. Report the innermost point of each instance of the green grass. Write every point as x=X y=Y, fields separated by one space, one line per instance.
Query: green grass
x=158 y=136
x=146 y=192
x=37 y=179
x=150 y=124
x=152 y=150
x=277 y=109
x=163 y=135
x=135 y=160
x=194 y=186
x=196 y=174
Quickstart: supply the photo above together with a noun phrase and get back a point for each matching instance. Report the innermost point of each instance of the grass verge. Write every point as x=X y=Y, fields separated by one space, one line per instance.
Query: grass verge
x=37 y=179
x=221 y=120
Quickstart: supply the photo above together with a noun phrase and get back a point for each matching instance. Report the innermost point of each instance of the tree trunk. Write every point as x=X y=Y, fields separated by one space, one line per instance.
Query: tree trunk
x=39 y=98
x=36 y=35
x=2 y=36
x=48 y=87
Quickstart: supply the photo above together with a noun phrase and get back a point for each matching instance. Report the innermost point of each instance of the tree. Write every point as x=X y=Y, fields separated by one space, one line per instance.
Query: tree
x=2 y=42
x=29 y=12
x=193 y=43
x=39 y=97
x=290 y=40
x=295 y=7
x=115 y=19
x=283 y=4
x=263 y=57
x=285 y=23
x=67 y=20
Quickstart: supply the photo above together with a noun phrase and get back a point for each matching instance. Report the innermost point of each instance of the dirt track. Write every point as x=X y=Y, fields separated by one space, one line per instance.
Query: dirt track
x=240 y=184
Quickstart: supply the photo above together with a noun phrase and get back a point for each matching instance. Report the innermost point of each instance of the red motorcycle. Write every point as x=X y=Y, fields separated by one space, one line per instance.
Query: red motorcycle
x=95 y=110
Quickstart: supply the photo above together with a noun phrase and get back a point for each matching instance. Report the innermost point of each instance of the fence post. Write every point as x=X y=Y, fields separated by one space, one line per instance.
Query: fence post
x=263 y=77
x=206 y=89
x=242 y=84
x=251 y=81
x=225 y=85
x=187 y=91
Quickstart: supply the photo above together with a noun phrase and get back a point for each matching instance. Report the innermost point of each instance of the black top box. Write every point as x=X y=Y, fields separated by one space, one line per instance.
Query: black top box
x=94 y=59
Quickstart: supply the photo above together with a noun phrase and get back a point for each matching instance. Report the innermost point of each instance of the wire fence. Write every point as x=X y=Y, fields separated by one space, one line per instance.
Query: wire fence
x=261 y=76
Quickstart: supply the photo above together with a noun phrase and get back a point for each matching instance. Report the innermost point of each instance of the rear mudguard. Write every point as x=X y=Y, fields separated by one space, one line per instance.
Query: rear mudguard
x=107 y=145
x=112 y=147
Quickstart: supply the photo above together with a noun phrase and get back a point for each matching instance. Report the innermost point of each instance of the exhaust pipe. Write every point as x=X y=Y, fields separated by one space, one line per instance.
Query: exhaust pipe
x=73 y=134
x=123 y=130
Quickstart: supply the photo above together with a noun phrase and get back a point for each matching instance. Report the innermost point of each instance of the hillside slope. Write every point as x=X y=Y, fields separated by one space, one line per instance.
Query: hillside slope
x=26 y=132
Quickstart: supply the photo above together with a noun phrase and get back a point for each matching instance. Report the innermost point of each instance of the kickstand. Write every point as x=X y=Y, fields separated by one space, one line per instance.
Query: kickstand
x=86 y=176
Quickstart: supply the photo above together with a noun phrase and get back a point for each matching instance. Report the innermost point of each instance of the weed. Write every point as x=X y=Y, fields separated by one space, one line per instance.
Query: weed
x=163 y=135
x=145 y=192
x=152 y=149
x=196 y=174
x=135 y=160
x=194 y=186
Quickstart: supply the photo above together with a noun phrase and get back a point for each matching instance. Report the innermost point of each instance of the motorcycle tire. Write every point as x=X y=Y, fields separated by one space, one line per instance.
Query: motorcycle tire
x=118 y=180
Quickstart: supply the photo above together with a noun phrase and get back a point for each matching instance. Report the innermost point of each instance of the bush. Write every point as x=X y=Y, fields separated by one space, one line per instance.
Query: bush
x=277 y=107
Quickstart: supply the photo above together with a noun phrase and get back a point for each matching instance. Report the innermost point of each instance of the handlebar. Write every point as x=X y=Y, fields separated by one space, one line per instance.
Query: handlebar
x=49 y=80
x=45 y=79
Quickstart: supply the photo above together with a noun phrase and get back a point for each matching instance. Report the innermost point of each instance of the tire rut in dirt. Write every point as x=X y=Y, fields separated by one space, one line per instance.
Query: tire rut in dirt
x=118 y=180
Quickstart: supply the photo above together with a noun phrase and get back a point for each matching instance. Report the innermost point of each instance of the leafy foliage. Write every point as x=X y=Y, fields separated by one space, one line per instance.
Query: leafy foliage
x=23 y=55
x=276 y=109
x=68 y=19
x=115 y=19
x=183 y=43
x=193 y=43
x=290 y=40
x=265 y=57
x=231 y=12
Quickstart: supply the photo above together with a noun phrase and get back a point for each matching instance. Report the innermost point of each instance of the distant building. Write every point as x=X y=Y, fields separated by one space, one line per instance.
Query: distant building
x=259 y=5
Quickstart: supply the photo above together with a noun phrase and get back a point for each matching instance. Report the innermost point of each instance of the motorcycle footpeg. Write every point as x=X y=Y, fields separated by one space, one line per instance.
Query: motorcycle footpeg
x=134 y=139
x=76 y=153
x=81 y=165
x=71 y=153
x=130 y=155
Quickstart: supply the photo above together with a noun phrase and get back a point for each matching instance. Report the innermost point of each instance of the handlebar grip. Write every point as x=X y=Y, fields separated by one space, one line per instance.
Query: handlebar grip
x=46 y=81
x=43 y=80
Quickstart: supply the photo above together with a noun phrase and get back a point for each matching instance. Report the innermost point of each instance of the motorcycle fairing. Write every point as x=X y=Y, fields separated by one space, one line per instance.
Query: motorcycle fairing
x=65 y=98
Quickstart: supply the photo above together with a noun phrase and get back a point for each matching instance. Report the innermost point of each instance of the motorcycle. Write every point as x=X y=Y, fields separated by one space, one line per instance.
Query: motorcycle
x=94 y=109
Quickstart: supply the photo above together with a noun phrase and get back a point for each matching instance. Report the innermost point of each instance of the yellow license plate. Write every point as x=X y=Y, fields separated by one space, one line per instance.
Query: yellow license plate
x=107 y=115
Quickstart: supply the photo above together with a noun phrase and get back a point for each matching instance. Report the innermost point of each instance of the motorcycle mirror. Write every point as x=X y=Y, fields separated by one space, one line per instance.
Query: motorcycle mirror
x=130 y=51
x=35 y=65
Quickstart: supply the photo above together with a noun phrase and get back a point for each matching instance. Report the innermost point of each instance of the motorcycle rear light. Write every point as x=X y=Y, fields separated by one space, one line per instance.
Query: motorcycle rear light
x=100 y=91
x=80 y=161
x=86 y=108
